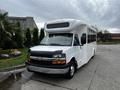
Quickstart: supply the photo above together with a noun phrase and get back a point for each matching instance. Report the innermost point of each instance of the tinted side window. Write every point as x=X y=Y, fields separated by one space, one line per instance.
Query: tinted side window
x=91 y=35
x=58 y=25
x=83 y=39
x=76 y=40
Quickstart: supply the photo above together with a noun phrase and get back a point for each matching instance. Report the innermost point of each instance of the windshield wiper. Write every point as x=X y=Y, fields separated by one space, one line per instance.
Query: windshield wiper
x=56 y=44
x=44 y=44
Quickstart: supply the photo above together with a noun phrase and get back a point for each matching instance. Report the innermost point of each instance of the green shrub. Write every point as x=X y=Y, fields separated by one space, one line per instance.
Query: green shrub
x=28 y=40
x=42 y=34
x=35 y=36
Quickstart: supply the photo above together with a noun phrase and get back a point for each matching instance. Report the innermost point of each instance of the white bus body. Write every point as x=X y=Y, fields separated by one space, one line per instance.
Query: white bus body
x=68 y=45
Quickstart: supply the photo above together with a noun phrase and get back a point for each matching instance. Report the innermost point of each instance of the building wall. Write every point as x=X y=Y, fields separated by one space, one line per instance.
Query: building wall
x=115 y=36
x=25 y=22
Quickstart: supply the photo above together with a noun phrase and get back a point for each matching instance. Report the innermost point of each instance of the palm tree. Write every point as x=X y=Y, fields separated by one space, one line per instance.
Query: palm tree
x=5 y=33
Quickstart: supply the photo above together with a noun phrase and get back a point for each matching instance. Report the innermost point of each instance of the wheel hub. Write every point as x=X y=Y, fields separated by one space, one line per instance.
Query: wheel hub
x=72 y=70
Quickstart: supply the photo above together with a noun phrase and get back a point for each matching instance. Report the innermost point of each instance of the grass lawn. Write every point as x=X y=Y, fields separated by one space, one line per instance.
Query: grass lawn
x=4 y=63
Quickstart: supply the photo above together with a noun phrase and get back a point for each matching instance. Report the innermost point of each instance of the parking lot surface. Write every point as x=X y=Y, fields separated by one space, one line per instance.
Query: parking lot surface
x=101 y=73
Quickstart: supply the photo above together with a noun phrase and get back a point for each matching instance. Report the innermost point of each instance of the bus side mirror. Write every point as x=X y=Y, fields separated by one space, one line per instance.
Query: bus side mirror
x=83 y=39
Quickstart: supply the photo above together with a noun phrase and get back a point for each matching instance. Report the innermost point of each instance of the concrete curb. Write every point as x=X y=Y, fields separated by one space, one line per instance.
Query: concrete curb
x=12 y=68
x=5 y=75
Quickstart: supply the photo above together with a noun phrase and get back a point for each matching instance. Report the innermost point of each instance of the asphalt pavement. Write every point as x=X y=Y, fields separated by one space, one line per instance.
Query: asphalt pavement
x=101 y=73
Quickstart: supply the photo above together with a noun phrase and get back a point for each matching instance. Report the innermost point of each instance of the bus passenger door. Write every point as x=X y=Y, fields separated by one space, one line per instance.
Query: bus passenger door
x=83 y=48
x=78 y=50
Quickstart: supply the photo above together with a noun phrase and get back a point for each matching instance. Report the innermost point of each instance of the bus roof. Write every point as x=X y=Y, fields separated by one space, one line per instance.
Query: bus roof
x=63 y=25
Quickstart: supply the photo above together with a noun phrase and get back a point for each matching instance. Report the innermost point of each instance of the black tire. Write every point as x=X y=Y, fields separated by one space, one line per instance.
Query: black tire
x=71 y=71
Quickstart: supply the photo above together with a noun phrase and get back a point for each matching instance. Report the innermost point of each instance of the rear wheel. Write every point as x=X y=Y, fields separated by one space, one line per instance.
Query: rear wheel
x=71 y=71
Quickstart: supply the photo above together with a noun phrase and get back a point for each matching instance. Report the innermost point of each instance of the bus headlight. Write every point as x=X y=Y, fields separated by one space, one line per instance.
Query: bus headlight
x=59 y=56
x=59 y=59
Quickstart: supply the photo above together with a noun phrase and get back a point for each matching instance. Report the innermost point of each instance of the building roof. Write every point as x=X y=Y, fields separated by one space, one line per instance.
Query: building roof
x=73 y=23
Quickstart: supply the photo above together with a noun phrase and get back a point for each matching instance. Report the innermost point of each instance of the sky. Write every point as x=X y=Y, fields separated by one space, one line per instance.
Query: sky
x=105 y=14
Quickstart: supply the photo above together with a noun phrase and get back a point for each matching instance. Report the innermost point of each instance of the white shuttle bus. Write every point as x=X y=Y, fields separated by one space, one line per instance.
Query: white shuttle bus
x=67 y=46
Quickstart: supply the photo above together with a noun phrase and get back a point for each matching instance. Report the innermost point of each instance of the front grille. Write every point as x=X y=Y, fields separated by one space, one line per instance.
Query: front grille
x=40 y=62
x=41 y=54
x=45 y=54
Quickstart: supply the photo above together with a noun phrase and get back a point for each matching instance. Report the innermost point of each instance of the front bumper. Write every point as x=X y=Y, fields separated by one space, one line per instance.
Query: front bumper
x=47 y=70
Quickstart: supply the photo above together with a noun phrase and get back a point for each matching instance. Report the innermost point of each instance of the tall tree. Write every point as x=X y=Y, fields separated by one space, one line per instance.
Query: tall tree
x=11 y=35
x=107 y=35
x=5 y=30
x=100 y=36
x=18 y=36
x=35 y=36
x=42 y=34
x=28 y=40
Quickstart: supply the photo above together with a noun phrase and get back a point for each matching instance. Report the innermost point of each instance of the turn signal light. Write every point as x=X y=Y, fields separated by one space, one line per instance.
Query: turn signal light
x=58 y=62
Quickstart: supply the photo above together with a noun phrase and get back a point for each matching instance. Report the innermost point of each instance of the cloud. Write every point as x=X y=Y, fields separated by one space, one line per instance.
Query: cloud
x=103 y=13
x=40 y=25
x=114 y=30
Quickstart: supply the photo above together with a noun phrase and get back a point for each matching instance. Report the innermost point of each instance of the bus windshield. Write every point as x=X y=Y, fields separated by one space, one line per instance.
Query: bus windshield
x=58 y=39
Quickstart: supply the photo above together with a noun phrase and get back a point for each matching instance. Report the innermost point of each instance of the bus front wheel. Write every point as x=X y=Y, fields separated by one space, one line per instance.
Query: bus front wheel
x=71 y=71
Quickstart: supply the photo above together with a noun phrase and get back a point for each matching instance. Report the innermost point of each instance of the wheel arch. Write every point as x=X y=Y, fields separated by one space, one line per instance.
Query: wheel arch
x=73 y=60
